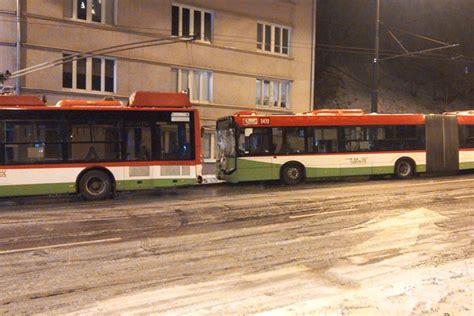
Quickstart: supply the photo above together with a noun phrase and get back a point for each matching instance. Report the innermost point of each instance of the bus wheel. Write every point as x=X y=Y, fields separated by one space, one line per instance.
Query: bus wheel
x=292 y=174
x=95 y=185
x=404 y=169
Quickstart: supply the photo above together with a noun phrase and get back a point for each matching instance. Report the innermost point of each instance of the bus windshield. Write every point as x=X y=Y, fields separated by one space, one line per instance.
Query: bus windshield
x=225 y=139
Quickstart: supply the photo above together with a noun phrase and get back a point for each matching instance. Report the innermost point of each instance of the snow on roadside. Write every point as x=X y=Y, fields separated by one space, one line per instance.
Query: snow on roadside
x=391 y=282
x=398 y=268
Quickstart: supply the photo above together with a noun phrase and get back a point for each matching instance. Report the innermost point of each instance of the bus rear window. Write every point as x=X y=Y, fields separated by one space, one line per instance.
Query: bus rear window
x=175 y=141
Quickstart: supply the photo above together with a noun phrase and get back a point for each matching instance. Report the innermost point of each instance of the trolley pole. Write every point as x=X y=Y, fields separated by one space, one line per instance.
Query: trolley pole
x=375 y=63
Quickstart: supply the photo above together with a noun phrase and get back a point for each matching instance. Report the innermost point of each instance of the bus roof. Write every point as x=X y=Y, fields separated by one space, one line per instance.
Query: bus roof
x=20 y=101
x=463 y=117
x=326 y=117
x=139 y=101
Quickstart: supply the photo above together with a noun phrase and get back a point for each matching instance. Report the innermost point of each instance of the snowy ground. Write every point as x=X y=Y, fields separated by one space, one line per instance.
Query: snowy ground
x=330 y=248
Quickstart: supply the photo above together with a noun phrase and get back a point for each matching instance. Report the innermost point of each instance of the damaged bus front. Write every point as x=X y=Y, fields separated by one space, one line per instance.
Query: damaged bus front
x=226 y=145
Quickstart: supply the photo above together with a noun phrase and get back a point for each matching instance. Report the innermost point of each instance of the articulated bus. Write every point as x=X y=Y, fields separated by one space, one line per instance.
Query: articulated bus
x=336 y=143
x=98 y=147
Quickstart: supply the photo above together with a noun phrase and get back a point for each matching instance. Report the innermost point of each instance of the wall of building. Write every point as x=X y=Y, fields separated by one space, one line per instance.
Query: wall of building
x=232 y=55
x=8 y=36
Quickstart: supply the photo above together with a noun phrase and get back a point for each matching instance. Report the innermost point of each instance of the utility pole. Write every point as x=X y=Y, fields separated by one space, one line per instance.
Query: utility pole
x=375 y=63
x=18 y=44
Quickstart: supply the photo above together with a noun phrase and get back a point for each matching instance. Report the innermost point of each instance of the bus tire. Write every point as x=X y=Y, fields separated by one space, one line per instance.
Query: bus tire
x=292 y=174
x=95 y=185
x=404 y=169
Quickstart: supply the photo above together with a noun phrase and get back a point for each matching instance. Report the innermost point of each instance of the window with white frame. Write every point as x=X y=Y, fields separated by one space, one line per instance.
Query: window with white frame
x=91 y=73
x=273 y=38
x=273 y=93
x=99 y=11
x=190 y=21
x=208 y=144
x=198 y=83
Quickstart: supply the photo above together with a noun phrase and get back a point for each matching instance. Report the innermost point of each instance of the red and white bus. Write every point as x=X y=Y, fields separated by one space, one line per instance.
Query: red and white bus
x=334 y=143
x=98 y=147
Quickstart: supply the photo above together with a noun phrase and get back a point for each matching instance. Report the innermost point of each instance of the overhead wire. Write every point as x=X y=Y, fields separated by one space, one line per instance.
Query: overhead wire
x=221 y=37
x=232 y=38
x=96 y=52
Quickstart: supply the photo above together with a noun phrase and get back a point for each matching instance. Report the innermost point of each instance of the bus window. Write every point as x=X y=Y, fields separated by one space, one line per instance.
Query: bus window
x=402 y=137
x=277 y=137
x=138 y=141
x=467 y=141
x=260 y=141
x=354 y=139
x=2 y=141
x=325 y=140
x=174 y=140
x=294 y=140
x=384 y=139
x=406 y=132
x=32 y=141
x=255 y=141
x=94 y=141
x=106 y=140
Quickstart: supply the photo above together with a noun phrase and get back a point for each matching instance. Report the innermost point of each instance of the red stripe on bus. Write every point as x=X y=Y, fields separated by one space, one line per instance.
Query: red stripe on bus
x=339 y=120
x=105 y=164
x=467 y=120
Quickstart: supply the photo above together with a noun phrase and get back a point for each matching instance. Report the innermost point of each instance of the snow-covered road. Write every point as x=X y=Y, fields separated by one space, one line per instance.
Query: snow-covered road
x=335 y=248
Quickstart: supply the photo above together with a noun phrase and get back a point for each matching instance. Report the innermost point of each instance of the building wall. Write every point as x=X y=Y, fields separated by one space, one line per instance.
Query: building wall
x=8 y=36
x=232 y=56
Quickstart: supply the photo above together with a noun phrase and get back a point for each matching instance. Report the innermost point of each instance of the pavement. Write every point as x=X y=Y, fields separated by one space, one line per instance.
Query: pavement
x=351 y=247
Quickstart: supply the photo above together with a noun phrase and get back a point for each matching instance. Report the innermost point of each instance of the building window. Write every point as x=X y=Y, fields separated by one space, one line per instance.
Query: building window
x=99 y=11
x=273 y=93
x=206 y=146
x=197 y=83
x=273 y=38
x=92 y=73
x=190 y=21
x=209 y=145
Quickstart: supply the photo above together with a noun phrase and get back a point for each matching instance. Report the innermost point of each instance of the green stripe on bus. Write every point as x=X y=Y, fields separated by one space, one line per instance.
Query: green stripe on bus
x=466 y=165
x=37 y=189
x=248 y=170
x=61 y=188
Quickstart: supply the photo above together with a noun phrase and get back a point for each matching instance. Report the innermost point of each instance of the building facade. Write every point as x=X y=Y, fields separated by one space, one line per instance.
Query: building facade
x=248 y=54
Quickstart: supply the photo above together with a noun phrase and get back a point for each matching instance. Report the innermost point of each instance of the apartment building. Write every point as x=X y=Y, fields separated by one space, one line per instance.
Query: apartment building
x=248 y=54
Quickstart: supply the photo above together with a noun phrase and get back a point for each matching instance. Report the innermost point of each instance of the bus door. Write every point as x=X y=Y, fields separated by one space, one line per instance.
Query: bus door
x=354 y=140
x=288 y=144
x=255 y=154
x=323 y=142
x=138 y=150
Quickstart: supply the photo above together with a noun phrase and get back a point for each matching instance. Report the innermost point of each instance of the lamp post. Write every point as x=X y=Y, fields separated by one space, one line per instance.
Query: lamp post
x=375 y=63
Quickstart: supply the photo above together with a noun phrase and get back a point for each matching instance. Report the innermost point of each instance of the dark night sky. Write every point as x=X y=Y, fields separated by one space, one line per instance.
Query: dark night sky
x=345 y=26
